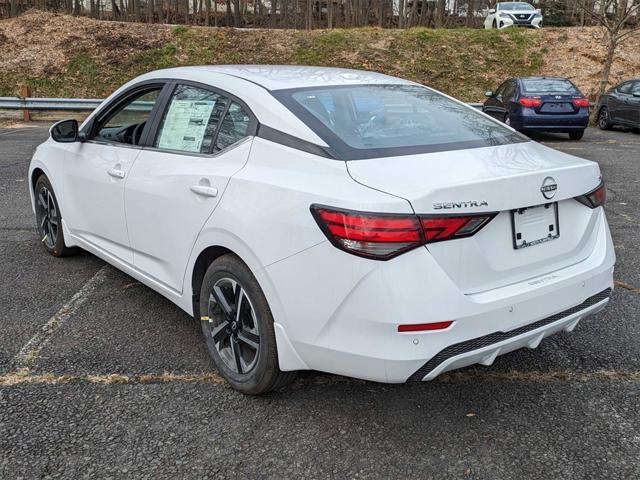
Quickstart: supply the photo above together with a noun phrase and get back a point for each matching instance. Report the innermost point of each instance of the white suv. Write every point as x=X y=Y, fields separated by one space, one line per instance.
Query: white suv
x=507 y=14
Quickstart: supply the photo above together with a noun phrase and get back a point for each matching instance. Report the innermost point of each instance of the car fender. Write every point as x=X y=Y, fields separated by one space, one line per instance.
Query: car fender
x=211 y=235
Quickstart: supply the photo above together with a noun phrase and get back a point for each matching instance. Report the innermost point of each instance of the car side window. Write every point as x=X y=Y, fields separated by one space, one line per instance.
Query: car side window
x=500 y=90
x=191 y=120
x=125 y=125
x=234 y=127
x=625 y=88
x=509 y=90
x=635 y=90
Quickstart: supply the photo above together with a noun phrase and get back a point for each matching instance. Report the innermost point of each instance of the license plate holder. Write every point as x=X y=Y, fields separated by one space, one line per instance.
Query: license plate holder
x=534 y=225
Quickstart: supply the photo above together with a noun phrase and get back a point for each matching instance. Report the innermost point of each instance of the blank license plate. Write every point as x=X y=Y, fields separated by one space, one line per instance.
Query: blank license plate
x=534 y=225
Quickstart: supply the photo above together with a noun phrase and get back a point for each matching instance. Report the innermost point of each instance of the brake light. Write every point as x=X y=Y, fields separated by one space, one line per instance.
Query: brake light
x=383 y=236
x=422 y=327
x=581 y=102
x=595 y=198
x=445 y=227
x=530 y=102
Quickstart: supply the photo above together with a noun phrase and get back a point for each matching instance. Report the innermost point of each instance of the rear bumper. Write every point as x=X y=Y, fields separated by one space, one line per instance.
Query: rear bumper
x=340 y=313
x=528 y=119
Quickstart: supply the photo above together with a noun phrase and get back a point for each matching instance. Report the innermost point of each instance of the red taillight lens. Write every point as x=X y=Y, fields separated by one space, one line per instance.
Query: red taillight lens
x=384 y=236
x=581 y=102
x=437 y=227
x=530 y=102
x=423 y=327
x=380 y=236
x=595 y=198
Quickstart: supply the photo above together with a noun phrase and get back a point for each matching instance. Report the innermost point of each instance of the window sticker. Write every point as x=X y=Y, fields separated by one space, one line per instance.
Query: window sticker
x=185 y=125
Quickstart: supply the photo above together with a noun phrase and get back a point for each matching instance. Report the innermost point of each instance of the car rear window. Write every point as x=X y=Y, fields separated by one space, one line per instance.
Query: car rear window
x=549 y=85
x=366 y=121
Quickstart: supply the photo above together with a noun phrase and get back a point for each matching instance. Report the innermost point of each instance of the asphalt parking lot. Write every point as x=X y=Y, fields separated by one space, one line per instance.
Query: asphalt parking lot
x=100 y=376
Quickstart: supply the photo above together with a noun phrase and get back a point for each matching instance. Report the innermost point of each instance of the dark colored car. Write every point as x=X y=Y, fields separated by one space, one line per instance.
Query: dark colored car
x=620 y=106
x=550 y=104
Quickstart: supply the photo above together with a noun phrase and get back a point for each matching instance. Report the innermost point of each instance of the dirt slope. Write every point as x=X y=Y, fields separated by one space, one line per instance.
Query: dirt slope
x=61 y=55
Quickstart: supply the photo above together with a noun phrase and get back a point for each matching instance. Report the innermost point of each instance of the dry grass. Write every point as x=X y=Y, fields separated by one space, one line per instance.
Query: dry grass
x=62 y=55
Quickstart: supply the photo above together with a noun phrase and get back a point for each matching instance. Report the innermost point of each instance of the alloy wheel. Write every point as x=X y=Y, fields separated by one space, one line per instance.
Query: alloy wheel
x=604 y=118
x=233 y=325
x=48 y=220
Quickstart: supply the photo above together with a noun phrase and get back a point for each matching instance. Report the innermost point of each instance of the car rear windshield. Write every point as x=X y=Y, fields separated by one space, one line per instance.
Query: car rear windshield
x=515 y=6
x=366 y=121
x=549 y=85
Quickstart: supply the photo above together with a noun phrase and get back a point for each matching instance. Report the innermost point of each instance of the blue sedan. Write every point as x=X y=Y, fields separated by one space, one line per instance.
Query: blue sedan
x=548 y=104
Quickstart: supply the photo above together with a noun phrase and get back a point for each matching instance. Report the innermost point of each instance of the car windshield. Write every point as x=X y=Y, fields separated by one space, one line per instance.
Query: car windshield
x=364 y=121
x=549 y=85
x=515 y=6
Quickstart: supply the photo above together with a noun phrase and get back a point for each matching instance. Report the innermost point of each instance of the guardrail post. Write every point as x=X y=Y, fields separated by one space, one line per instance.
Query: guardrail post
x=25 y=92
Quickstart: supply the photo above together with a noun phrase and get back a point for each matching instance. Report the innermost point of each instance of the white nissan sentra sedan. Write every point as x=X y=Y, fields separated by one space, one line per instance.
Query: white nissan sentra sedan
x=329 y=219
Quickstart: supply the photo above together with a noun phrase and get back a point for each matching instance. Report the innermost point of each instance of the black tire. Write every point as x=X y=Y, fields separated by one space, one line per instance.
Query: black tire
x=232 y=350
x=577 y=135
x=495 y=25
x=506 y=119
x=604 y=121
x=49 y=219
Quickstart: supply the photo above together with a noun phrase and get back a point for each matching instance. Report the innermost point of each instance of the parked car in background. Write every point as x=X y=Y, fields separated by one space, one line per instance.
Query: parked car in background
x=508 y=14
x=551 y=104
x=620 y=106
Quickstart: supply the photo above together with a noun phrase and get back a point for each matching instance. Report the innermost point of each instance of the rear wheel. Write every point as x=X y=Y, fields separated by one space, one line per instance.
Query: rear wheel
x=495 y=25
x=577 y=135
x=604 y=121
x=49 y=219
x=238 y=326
x=507 y=120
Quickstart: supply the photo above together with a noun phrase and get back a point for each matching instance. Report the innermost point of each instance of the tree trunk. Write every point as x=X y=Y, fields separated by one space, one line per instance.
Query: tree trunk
x=612 y=45
x=236 y=13
x=401 y=14
x=329 y=14
x=439 y=20
x=309 y=14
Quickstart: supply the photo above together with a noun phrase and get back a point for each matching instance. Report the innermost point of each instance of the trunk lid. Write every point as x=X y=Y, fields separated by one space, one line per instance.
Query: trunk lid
x=493 y=179
x=556 y=103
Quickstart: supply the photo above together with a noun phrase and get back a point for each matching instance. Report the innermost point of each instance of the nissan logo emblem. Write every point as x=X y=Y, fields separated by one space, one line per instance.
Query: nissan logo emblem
x=548 y=188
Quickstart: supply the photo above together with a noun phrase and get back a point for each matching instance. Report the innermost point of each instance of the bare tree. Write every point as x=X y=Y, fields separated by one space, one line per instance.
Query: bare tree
x=614 y=16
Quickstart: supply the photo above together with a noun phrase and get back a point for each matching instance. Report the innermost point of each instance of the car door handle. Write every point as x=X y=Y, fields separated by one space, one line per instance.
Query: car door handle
x=204 y=190
x=116 y=173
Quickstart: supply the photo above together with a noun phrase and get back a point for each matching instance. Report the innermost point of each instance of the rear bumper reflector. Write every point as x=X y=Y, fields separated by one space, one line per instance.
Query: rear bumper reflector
x=423 y=327
x=490 y=339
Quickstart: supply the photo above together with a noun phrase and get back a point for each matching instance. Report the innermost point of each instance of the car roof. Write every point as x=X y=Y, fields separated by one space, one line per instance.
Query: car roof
x=278 y=77
x=542 y=77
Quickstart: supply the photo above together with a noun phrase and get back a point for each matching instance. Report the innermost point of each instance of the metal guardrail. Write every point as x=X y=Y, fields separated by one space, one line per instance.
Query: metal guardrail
x=76 y=104
x=71 y=104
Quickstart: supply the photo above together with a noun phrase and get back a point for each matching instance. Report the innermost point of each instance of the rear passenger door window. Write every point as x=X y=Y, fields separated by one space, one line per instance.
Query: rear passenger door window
x=191 y=120
x=234 y=127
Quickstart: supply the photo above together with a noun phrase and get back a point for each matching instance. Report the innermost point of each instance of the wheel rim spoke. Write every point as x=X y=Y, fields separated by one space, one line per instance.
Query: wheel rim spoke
x=218 y=294
x=220 y=332
x=250 y=339
x=236 y=354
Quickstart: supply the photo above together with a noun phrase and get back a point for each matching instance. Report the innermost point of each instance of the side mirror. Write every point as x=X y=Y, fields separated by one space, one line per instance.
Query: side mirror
x=492 y=11
x=489 y=94
x=65 y=131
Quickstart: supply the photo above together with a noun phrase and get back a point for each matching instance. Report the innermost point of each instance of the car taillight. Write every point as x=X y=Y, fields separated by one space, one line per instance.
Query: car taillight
x=446 y=227
x=383 y=236
x=581 y=102
x=595 y=198
x=530 y=102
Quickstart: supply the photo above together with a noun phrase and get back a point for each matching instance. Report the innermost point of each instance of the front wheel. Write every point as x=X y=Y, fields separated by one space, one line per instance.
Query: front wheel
x=604 y=121
x=577 y=135
x=238 y=326
x=49 y=219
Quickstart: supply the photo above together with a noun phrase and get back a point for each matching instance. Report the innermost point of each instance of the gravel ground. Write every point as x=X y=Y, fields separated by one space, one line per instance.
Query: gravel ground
x=124 y=386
